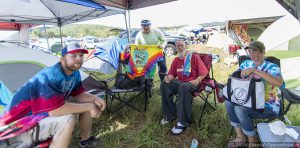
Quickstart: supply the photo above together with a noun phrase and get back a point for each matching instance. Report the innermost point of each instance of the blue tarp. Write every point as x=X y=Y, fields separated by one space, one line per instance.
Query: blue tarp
x=197 y=31
x=5 y=94
x=109 y=52
x=88 y=3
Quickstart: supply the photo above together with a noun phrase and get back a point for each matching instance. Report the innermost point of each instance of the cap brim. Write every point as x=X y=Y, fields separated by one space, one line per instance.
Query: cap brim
x=146 y=24
x=252 y=47
x=79 y=50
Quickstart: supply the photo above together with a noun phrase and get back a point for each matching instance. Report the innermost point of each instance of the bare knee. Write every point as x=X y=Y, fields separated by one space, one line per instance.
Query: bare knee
x=71 y=120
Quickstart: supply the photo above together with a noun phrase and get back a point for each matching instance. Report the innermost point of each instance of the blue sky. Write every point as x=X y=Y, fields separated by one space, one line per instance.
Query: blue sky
x=185 y=12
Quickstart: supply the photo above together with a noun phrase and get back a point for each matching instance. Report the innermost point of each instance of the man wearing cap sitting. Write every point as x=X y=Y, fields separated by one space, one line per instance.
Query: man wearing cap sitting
x=153 y=36
x=47 y=93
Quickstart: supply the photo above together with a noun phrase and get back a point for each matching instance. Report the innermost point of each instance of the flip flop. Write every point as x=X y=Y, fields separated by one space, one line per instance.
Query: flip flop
x=182 y=128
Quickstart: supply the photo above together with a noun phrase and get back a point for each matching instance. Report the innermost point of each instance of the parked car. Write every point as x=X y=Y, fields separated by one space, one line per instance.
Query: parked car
x=170 y=47
x=91 y=43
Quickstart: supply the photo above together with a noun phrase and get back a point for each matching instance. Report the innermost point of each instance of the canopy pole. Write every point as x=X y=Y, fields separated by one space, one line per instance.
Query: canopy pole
x=61 y=42
x=127 y=28
x=47 y=38
x=297 y=4
x=60 y=34
x=129 y=21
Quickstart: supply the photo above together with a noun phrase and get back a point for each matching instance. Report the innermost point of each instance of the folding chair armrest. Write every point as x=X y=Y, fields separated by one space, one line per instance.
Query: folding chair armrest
x=290 y=96
x=208 y=82
x=106 y=81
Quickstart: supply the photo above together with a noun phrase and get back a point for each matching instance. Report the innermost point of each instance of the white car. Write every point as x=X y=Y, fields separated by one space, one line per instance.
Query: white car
x=91 y=44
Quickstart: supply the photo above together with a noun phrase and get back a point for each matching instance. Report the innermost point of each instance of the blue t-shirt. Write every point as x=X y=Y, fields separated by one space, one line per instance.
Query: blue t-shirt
x=44 y=92
x=272 y=100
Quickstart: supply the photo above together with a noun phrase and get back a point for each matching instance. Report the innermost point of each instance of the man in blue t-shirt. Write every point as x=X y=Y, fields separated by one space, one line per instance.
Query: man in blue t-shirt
x=47 y=94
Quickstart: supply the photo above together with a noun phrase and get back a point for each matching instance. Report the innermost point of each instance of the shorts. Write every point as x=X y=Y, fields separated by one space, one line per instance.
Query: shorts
x=49 y=127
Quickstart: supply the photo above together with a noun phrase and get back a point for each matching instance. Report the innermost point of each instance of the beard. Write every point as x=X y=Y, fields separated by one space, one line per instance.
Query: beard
x=181 y=54
x=74 y=67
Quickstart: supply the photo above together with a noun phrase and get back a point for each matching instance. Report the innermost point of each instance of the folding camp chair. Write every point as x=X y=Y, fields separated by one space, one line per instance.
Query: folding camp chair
x=125 y=96
x=285 y=94
x=207 y=86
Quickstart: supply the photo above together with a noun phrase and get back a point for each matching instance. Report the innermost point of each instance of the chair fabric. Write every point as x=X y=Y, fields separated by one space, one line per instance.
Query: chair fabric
x=207 y=86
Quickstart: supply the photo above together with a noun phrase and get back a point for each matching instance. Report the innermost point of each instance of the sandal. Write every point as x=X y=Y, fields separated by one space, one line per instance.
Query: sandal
x=237 y=142
x=178 y=129
x=166 y=120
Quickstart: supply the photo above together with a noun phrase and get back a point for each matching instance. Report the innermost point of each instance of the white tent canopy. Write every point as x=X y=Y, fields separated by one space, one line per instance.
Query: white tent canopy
x=51 y=12
x=278 y=34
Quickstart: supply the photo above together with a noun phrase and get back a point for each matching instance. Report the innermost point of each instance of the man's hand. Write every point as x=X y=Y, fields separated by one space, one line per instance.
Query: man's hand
x=95 y=112
x=100 y=104
x=247 y=72
x=195 y=82
x=167 y=79
x=159 y=46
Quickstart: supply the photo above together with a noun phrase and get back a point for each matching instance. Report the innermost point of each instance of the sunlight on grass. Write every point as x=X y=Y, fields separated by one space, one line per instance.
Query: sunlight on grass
x=293 y=83
x=283 y=54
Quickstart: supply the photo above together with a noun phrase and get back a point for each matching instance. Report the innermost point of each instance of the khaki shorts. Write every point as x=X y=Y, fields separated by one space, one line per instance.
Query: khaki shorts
x=50 y=127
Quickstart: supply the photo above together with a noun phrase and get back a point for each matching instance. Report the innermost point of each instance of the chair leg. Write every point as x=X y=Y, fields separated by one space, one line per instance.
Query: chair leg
x=145 y=100
x=215 y=98
x=200 y=119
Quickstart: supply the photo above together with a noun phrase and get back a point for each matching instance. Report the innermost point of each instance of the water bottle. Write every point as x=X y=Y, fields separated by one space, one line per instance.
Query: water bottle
x=220 y=97
x=194 y=143
x=208 y=89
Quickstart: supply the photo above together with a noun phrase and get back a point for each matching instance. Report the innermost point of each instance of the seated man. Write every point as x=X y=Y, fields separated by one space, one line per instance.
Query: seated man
x=190 y=70
x=240 y=116
x=48 y=93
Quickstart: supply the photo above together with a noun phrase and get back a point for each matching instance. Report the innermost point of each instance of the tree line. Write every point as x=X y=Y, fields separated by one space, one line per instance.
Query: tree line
x=75 y=30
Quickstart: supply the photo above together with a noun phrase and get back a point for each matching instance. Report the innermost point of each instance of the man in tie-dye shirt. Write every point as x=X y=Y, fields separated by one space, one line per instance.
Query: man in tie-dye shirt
x=47 y=94
x=240 y=116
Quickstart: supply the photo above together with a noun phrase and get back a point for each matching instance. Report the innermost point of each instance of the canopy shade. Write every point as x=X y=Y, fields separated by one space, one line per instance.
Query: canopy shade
x=131 y=4
x=53 y=12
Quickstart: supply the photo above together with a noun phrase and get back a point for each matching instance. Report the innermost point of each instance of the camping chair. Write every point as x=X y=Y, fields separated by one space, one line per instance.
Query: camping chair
x=207 y=86
x=13 y=79
x=285 y=93
x=125 y=96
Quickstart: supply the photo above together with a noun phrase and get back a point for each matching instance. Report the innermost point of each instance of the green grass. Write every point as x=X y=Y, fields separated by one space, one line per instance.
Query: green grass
x=283 y=54
x=293 y=83
x=128 y=128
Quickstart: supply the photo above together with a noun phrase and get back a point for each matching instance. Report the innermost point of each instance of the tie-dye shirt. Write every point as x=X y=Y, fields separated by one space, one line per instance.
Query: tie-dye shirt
x=44 y=92
x=272 y=100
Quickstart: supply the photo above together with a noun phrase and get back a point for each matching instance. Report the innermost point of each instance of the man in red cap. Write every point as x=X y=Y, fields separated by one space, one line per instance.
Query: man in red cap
x=47 y=95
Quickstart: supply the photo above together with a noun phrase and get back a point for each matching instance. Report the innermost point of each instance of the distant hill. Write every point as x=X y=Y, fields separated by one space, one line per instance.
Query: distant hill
x=213 y=24
x=76 y=30
x=80 y=30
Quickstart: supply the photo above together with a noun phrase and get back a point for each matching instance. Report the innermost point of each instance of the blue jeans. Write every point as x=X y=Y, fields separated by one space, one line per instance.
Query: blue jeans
x=162 y=68
x=241 y=116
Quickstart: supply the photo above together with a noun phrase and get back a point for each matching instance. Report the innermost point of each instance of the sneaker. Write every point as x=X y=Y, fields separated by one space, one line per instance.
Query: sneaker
x=91 y=142
x=166 y=120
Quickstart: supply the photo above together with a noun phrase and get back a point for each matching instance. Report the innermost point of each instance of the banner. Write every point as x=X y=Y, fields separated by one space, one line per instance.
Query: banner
x=143 y=59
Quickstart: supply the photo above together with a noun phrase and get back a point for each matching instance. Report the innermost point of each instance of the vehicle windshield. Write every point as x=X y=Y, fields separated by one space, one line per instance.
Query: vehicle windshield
x=165 y=33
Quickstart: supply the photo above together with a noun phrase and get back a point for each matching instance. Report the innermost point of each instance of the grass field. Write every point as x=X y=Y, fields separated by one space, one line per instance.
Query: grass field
x=283 y=54
x=128 y=128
